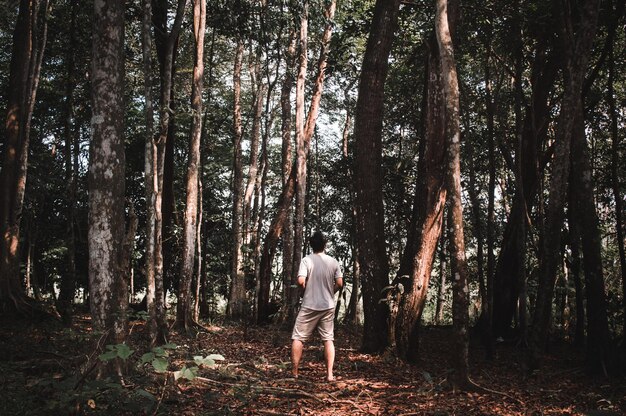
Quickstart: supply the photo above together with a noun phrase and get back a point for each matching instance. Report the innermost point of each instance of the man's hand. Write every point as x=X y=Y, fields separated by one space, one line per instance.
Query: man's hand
x=302 y=281
x=338 y=284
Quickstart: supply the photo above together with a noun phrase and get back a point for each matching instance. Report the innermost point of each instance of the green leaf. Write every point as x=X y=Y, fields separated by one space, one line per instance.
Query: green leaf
x=170 y=346
x=159 y=352
x=186 y=373
x=124 y=351
x=200 y=360
x=107 y=356
x=160 y=365
x=147 y=357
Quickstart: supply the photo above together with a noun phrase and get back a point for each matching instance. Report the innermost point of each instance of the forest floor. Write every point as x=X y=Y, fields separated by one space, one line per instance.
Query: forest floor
x=43 y=367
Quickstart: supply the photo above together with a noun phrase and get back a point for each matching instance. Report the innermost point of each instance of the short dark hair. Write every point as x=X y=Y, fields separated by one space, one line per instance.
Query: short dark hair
x=318 y=241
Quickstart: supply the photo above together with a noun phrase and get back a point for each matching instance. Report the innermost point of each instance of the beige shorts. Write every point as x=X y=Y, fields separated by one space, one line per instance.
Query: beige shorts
x=309 y=319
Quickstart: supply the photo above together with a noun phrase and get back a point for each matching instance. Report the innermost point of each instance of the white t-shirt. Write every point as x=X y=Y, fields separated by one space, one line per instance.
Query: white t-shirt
x=320 y=271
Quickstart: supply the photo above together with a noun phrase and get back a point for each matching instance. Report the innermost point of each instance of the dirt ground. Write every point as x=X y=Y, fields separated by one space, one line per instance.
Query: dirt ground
x=47 y=369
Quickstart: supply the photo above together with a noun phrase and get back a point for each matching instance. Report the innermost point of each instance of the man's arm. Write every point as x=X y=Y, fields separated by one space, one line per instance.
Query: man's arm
x=302 y=281
x=338 y=284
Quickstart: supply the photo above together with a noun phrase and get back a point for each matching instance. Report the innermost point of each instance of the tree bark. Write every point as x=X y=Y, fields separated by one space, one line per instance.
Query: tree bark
x=301 y=147
x=443 y=273
x=581 y=177
x=184 y=307
x=368 y=124
x=460 y=315
x=67 y=290
x=428 y=207
x=107 y=279
x=576 y=49
x=26 y=56
x=509 y=263
x=289 y=295
x=305 y=129
x=237 y=298
x=615 y=182
x=153 y=174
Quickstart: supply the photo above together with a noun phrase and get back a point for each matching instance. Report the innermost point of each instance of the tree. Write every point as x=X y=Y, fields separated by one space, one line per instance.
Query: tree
x=184 y=306
x=237 y=296
x=107 y=278
x=576 y=49
x=29 y=41
x=368 y=124
x=304 y=133
x=460 y=318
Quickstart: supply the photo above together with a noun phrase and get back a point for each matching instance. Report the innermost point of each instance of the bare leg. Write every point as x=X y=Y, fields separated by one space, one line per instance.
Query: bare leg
x=329 y=354
x=296 y=355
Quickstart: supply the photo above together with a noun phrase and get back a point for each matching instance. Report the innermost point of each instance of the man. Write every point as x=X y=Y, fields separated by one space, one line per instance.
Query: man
x=320 y=276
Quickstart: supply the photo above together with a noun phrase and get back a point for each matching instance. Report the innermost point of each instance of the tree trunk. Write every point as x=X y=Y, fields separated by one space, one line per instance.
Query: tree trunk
x=151 y=182
x=352 y=313
x=615 y=182
x=289 y=295
x=460 y=316
x=368 y=124
x=575 y=269
x=301 y=146
x=107 y=279
x=305 y=129
x=184 y=307
x=443 y=273
x=237 y=298
x=428 y=207
x=165 y=44
x=491 y=212
x=26 y=56
x=509 y=264
x=575 y=64
x=581 y=179
x=68 y=281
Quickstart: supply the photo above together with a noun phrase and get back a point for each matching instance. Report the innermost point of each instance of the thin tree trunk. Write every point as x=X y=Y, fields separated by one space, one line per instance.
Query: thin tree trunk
x=149 y=169
x=443 y=273
x=305 y=129
x=68 y=282
x=506 y=282
x=301 y=146
x=26 y=57
x=584 y=207
x=237 y=298
x=253 y=168
x=575 y=269
x=491 y=217
x=107 y=278
x=575 y=63
x=289 y=294
x=615 y=182
x=166 y=43
x=368 y=124
x=460 y=316
x=184 y=307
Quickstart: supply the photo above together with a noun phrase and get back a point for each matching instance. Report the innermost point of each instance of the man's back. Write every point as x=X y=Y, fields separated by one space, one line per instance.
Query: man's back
x=321 y=271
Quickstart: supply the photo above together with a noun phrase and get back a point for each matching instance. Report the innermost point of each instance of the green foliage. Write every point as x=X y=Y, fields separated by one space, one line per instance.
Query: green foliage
x=208 y=361
x=122 y=351
x=158 y=357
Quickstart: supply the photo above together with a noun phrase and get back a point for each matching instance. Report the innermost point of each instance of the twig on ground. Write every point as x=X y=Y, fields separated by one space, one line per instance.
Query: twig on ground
x=278 y=391
x=156 y=410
